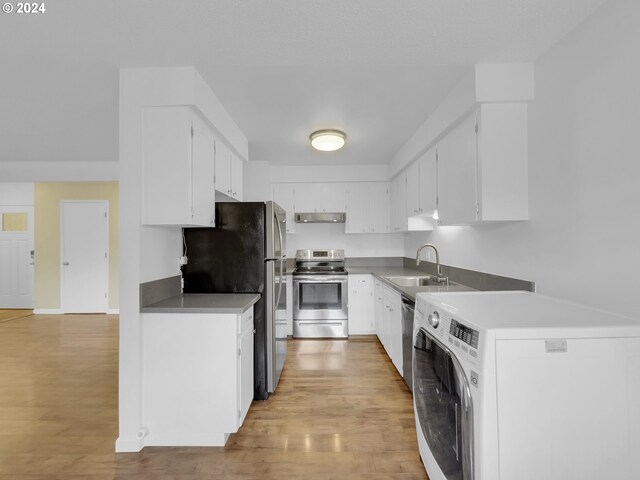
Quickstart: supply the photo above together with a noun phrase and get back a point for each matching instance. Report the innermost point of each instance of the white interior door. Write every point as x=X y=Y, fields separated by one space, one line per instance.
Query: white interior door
x=16 y=257
x=84 y=256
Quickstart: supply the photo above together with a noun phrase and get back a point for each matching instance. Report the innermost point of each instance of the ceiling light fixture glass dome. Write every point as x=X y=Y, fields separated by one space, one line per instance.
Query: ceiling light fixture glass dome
x=327 y=140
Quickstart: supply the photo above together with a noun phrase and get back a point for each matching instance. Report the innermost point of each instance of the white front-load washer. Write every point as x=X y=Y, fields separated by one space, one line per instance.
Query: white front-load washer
x=520 y=386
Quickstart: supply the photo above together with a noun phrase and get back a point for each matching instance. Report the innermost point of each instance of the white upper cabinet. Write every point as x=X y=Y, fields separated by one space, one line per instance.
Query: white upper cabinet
x=284 y=195
x=228 y=172
x=236 y=178
x=223 y=168
x=421 y=196
x=321 y=197
x=202 y=174
x=178 y=168
x=428 y=183
x=413 y=189
x=457 y=162
x=398 y=193
x=367 y=207
x=482 y=167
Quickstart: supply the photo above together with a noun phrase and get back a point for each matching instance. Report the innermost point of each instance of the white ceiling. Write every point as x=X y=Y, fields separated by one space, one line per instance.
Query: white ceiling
x=282 y=68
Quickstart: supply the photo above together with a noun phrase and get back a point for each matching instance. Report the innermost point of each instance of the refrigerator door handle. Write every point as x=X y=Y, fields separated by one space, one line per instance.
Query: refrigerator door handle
x=282 y=280
x=282 y=256
x=275 y=216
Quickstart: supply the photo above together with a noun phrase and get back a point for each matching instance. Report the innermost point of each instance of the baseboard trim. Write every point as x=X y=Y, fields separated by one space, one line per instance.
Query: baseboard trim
x=129 y=445
x=113 y=311
x=47 y=311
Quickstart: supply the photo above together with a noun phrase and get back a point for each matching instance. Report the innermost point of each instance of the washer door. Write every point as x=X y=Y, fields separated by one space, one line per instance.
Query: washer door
x=443 y=404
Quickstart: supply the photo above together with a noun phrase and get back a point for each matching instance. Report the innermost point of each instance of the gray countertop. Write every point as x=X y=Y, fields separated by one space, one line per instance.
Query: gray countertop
x=204 y=303
x=409 y=292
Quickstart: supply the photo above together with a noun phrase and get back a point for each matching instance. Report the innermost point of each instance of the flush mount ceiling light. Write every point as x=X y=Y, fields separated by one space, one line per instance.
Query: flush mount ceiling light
x=327 y=140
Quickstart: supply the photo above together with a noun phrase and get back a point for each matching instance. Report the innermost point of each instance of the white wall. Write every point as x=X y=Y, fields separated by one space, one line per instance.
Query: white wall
x=72 y=171
x=16 y=194
x=581 y=242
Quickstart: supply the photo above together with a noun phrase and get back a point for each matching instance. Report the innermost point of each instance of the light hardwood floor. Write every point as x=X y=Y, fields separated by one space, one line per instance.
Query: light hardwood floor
x=341 y=412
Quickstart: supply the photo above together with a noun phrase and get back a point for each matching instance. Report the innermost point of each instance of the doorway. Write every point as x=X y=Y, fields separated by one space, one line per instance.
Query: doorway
x=16 y=257
x=84 y=254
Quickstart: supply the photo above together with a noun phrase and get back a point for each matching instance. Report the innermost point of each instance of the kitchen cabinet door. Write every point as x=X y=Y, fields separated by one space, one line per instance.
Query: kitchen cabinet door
x=358 y=208
x=457 y=174
x=202 y=174
x=503 y=162
x=379 y=309
x=399 y=202
x=245 y=363
x=334 y=197
x=413 y=189
x=394 y=327
x=223 y=168
x=379 y=207
x=236 y=177
x=367 y=207
x=284 y=195
x=482 y=167
x=361 y=306
x=289 y=304
x=428 y=182
x=321 y=197
x=308 y=197
x=177 y=168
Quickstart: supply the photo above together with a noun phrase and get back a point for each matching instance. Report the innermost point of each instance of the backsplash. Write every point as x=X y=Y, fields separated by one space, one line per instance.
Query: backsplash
x=471 y=278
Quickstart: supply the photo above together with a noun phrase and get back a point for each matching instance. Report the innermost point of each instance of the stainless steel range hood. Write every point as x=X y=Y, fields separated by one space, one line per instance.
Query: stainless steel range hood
x=320 y=217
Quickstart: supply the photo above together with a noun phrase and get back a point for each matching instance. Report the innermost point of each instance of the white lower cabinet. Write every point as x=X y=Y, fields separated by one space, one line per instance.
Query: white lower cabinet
x=393 y=326
x=289 y=305
x=378 y=299
x=361 y=307
x=197 y=377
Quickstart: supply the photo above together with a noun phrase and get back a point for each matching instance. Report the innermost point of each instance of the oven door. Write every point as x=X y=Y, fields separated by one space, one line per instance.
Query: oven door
x=444 y=408
x=320 y=297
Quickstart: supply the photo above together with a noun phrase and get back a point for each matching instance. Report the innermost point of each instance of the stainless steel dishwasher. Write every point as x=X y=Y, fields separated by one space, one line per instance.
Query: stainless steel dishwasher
x=408 y=308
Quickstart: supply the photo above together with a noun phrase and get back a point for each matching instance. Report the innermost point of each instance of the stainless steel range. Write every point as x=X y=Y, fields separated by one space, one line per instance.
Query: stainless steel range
x=320 y=295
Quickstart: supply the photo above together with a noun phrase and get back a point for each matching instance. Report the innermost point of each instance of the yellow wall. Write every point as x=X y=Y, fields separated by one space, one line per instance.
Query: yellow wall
x=47 y=236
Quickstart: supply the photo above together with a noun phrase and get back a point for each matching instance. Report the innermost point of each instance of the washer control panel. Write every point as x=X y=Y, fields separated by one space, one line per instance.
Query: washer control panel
x=464 y=333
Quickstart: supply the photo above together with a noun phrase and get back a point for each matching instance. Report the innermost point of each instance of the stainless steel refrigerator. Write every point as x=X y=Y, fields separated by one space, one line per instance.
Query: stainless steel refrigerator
x=246 y=253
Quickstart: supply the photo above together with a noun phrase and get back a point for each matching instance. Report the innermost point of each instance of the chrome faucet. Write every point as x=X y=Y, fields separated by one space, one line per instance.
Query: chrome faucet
x=438 y=267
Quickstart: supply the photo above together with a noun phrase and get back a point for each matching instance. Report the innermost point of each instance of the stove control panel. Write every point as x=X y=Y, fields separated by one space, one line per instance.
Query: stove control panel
x=320 y=254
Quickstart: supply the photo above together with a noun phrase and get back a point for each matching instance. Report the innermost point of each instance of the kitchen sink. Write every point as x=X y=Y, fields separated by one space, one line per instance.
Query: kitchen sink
x=424 y=281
